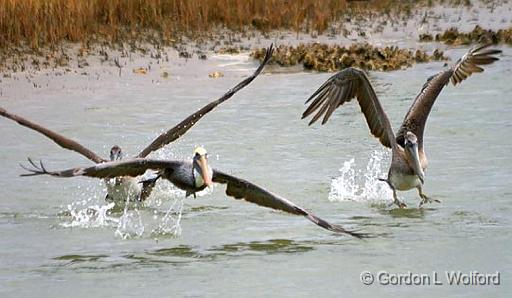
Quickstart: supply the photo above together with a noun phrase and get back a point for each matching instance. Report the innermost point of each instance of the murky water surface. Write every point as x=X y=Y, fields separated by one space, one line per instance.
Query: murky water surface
x=58 y=237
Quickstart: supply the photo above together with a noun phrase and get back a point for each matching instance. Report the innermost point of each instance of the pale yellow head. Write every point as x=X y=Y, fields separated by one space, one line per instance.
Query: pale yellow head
x=201 y=151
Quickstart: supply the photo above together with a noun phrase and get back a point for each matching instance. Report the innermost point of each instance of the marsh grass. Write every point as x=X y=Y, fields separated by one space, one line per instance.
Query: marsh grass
x=38 y=23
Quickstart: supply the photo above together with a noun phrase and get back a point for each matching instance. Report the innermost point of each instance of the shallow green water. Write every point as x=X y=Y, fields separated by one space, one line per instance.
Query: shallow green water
x=52 y=247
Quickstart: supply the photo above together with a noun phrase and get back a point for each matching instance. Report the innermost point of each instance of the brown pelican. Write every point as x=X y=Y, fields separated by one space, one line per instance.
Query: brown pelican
x=192 y=177
x=118 y=188
x=408 y=161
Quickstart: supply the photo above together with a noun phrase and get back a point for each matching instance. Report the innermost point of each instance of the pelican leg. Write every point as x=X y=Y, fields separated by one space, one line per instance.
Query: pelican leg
x=424 y=198
x=395 y=197
x=397 y=201
x=147 y=188
x=188 y=193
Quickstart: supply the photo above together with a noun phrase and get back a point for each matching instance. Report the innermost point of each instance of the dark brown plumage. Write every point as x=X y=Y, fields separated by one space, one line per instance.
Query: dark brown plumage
x=416 y=118
x=343 y=87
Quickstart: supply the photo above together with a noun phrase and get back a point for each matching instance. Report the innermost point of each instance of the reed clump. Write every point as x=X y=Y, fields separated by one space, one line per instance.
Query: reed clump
x=330 y=58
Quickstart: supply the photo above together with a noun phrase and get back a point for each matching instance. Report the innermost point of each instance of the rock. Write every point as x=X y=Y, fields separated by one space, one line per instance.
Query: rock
x=140 y=70
x=330 y=58
x=185 y=54
x=216 y=74
x=448 y=36
x=438 y=55
x=82 y=62
x=426 y=37
x=478 y=35
x=229 y=50
x=62 y=61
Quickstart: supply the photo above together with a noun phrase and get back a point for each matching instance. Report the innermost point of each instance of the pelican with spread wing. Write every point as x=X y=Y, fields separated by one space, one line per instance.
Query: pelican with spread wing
x=408 y=161
x=121 y=186
x=192 y=177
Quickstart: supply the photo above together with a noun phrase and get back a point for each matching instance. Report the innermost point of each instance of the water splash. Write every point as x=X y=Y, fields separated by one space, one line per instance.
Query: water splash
x=360 y=185
x=130 y=223
x=93 y=216
x=88 y=212
x=170 y=223
x=130 y=218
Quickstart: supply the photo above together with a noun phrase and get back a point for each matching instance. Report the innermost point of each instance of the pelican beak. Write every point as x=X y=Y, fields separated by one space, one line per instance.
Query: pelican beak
x=415 y=162
x=203 y=165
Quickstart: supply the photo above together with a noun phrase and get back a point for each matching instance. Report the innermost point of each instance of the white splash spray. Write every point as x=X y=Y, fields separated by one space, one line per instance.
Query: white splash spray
x=91 y=211
x=170 y=223
x=93 y=216
x=130 y=223
x=87 y=213
x=362 y=185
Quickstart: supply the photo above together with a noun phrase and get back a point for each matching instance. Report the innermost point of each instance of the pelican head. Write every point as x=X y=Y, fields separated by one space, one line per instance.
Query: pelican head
x=411 y=149
x=200 y=162
x=116 y=153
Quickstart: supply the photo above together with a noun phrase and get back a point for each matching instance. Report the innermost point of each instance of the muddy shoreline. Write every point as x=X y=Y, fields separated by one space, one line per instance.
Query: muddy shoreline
x=381 y=42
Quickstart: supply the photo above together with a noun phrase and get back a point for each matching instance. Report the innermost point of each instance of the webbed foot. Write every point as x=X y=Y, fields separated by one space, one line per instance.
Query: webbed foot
x=397 y=202
x=425 y=199
x=400 y=204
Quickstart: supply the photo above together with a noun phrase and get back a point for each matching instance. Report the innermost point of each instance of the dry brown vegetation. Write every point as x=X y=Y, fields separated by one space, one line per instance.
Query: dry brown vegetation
x=36 y=23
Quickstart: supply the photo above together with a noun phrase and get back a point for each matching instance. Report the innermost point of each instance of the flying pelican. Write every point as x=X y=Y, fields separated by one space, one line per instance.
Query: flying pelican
x=120 y=187
x=192 y=177
x=408 y=161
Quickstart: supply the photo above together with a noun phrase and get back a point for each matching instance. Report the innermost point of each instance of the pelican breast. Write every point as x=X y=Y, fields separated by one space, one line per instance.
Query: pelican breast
x=401 y=181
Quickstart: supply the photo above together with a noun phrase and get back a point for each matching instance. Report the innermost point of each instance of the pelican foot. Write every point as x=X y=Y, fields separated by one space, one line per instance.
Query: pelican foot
x=425 y=199
x=395 y=198
x=400 y=204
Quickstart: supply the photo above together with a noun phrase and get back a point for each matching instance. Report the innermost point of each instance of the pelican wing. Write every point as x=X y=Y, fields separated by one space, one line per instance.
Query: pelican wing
x=470 y=63
x=242 y=189
x=130 y=167
x=180 y=129
x=57 y=138
x=341 y=88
